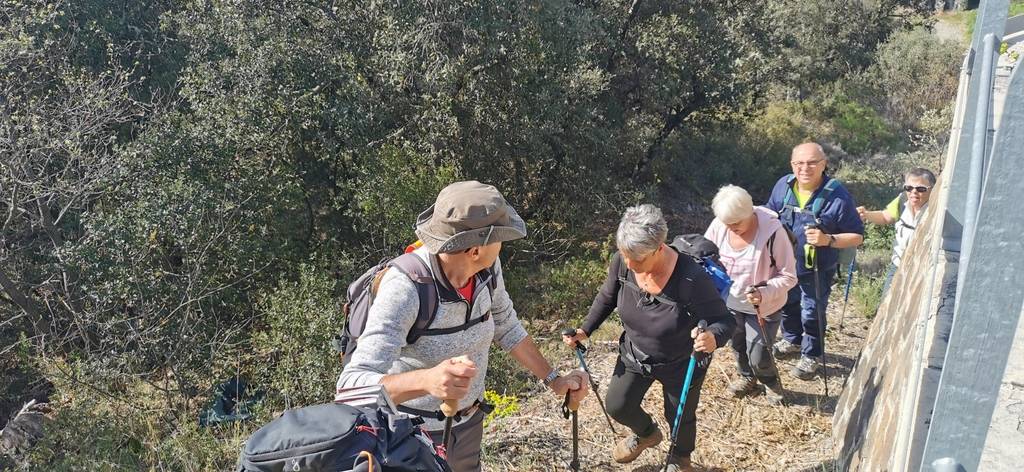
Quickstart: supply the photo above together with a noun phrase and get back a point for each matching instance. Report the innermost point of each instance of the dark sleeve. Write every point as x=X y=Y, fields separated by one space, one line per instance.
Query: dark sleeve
x=775 y=199
x=705 y=303
x=844 y=215
x=607 y=297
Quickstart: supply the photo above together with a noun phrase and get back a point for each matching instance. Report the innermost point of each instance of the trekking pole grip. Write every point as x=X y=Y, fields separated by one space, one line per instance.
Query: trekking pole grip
x=570 y=332
x=450 y=408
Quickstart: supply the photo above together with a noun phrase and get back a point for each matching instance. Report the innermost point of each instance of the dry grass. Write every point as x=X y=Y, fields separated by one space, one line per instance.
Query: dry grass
x=746 y=434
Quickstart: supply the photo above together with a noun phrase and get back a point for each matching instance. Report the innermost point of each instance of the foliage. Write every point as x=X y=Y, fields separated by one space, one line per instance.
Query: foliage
x=133 y=430
x=867 y=295
x=856 y=127
x=504 y=405
x=557 y=291
x=824 y=40
x=292 y=353
x=916 y=73
x=505 y=375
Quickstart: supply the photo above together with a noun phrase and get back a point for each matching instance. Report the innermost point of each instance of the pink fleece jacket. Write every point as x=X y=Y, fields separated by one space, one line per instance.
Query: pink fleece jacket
x=781 y=278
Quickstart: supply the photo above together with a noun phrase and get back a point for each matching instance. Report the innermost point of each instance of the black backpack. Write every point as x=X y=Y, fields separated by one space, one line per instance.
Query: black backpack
x=340 y=438
x=702 y=251
x=705 y=253
x=362 y=291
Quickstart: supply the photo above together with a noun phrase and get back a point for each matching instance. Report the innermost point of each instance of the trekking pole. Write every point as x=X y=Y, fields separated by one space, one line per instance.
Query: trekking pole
x=449 y=408
x=846 y=294
x=701 y=326
x=570 y=410
x=760 y=321
x=580 y=351
x=821 y=316
x=764 y=331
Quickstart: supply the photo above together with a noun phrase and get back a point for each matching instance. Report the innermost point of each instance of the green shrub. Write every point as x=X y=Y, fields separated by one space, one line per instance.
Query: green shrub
x=293 y=353
x=867 y=295
x=396 y=185
x=505 y=375
x=858 y=128
x=556 y=291
x=504 y=405
x=132 y=427
x=915 y=72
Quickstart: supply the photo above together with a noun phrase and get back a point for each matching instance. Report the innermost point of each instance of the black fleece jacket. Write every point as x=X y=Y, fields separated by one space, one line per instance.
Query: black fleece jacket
x=660 y=326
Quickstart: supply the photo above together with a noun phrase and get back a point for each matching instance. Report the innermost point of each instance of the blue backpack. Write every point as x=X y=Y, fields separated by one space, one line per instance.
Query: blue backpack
x=705 y=252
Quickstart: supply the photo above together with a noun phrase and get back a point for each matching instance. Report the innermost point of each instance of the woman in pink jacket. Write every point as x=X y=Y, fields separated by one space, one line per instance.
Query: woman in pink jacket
x=758 y=255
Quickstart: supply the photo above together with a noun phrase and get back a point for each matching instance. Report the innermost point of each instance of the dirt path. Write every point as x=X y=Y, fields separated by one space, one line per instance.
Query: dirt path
x=746 y=434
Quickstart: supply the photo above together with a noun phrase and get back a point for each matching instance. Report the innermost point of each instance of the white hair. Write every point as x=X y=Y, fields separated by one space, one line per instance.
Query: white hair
x=642 y=230
x=732 y=204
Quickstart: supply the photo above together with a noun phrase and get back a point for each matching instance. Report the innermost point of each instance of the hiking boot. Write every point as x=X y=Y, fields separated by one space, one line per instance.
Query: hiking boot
x=630 y=447
x=774 y=393
x=785 y=348
x=806 y=368
x=743 y=386
x=679 y=464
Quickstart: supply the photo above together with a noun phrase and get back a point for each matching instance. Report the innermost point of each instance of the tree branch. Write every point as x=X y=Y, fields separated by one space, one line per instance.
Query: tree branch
x=29 y=306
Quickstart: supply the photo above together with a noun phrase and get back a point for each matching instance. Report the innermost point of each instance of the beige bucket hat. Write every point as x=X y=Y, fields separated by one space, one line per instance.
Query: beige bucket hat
x=468 y=214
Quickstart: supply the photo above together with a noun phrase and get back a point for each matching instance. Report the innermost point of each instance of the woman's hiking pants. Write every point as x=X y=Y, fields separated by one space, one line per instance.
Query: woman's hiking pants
x=629 y=385
x=753 y=358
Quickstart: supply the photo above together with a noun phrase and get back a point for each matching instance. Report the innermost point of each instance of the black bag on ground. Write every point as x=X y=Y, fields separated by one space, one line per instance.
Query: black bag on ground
x=340 y=438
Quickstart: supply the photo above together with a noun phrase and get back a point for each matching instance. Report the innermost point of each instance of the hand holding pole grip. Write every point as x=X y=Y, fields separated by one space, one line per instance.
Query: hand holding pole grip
x=569 y=333
x=451 y=407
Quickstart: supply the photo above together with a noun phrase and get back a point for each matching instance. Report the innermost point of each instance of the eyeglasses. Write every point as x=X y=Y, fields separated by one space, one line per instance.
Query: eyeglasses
x=908 y=188
x=808 y=164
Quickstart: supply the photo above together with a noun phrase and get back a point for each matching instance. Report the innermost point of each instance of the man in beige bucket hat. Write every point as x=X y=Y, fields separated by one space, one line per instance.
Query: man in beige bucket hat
x=461 y=235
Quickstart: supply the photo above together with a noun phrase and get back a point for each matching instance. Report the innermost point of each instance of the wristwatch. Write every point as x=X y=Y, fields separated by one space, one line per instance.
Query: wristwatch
x=831 y=240
x=550 y=378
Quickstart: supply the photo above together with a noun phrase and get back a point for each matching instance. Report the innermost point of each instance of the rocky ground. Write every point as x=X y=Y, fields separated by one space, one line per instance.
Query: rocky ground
x=733 y=434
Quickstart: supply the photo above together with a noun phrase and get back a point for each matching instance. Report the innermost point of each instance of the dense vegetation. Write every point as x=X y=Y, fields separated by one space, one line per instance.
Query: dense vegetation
x=187 y=186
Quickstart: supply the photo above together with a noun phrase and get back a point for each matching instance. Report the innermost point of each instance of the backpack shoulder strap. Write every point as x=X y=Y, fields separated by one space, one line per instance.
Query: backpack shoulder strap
x=789 y=192
x=419 y=272
x=822 y=197
x=771 y=249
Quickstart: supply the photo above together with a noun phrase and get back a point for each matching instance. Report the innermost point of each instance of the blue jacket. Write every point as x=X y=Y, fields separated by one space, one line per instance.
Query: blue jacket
x=837 y=214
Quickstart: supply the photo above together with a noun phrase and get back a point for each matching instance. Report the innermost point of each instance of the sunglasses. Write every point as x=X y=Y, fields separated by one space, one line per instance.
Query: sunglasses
x=908 y=188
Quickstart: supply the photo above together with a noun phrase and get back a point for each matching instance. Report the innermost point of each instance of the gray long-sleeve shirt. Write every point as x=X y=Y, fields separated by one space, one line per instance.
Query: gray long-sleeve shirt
x=383 y=348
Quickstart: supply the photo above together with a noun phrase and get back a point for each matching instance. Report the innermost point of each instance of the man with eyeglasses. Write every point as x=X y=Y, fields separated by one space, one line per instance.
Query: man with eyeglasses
x=822 y=215
x=905 y=211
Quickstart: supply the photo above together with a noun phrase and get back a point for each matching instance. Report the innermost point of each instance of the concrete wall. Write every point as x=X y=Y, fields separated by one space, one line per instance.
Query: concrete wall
x=870 y=427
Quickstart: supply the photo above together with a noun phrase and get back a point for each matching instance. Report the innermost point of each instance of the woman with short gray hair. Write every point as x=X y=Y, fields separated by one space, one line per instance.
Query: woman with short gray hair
x=660 y=297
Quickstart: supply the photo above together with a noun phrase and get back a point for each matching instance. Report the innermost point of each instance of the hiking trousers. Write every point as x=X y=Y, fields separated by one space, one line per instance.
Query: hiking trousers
x=464 y=455
x=628 y=386
x=800 y=315
x=752 y=356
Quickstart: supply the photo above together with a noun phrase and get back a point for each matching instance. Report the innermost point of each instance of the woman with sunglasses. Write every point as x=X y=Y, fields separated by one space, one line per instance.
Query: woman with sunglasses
x=660 y=295
x=905 y=211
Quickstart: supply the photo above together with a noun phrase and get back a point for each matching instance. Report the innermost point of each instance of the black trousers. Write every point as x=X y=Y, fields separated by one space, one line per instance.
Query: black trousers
x=630 y=382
